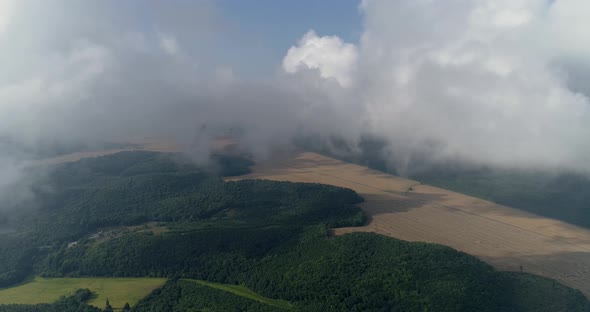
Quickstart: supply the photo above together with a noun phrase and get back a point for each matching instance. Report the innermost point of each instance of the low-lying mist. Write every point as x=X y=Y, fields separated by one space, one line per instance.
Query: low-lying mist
x=485 y=83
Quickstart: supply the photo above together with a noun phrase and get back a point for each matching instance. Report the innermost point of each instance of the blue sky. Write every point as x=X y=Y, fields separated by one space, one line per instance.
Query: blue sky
x=265 y=29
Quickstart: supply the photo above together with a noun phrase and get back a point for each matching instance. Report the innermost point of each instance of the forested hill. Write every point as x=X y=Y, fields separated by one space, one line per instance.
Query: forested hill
x=142 y=214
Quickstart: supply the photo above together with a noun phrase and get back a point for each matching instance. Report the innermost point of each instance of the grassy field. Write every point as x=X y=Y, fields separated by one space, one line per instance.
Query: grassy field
x=246 y=293
x=47 y=290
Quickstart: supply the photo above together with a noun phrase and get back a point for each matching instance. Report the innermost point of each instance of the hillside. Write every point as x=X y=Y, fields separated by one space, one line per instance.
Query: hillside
x=144 y=214
x=504 y=237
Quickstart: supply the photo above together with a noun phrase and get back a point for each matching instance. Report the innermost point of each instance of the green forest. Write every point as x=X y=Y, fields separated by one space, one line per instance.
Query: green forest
x=272 y=238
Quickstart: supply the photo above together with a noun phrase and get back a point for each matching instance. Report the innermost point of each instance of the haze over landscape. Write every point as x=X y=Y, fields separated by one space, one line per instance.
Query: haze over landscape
x=499 y=82
x=490 y=98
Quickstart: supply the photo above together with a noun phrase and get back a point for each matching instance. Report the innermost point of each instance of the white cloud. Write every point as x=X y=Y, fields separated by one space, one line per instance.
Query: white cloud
x=567 y=26
x=477 y=80
x=169 y=44
x=225 y=75
x=6 y=11
x=329 y=54
x=480 y=80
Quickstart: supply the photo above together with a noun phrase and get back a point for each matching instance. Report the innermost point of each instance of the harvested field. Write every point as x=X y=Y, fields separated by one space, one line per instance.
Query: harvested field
x=153 y=145
x=77 y=156
x=504 y=237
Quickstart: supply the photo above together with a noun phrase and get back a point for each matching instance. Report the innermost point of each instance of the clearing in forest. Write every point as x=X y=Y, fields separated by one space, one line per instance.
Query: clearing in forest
x=245 y=292
x=47 y=290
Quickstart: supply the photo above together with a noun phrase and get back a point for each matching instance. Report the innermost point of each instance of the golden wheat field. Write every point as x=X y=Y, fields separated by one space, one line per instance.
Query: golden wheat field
x=504 y=237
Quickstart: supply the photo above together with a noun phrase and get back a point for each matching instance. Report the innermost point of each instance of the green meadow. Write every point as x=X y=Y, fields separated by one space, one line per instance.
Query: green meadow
x=47 y=290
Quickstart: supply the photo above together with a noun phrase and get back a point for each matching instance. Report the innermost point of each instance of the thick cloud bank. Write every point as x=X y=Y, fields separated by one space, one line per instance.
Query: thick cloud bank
x=487 y=81
x=483 y=81
x=101 y=71
x=111 y=70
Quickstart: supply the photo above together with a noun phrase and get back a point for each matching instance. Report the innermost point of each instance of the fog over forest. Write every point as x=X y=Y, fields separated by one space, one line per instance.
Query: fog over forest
x=496 y=82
